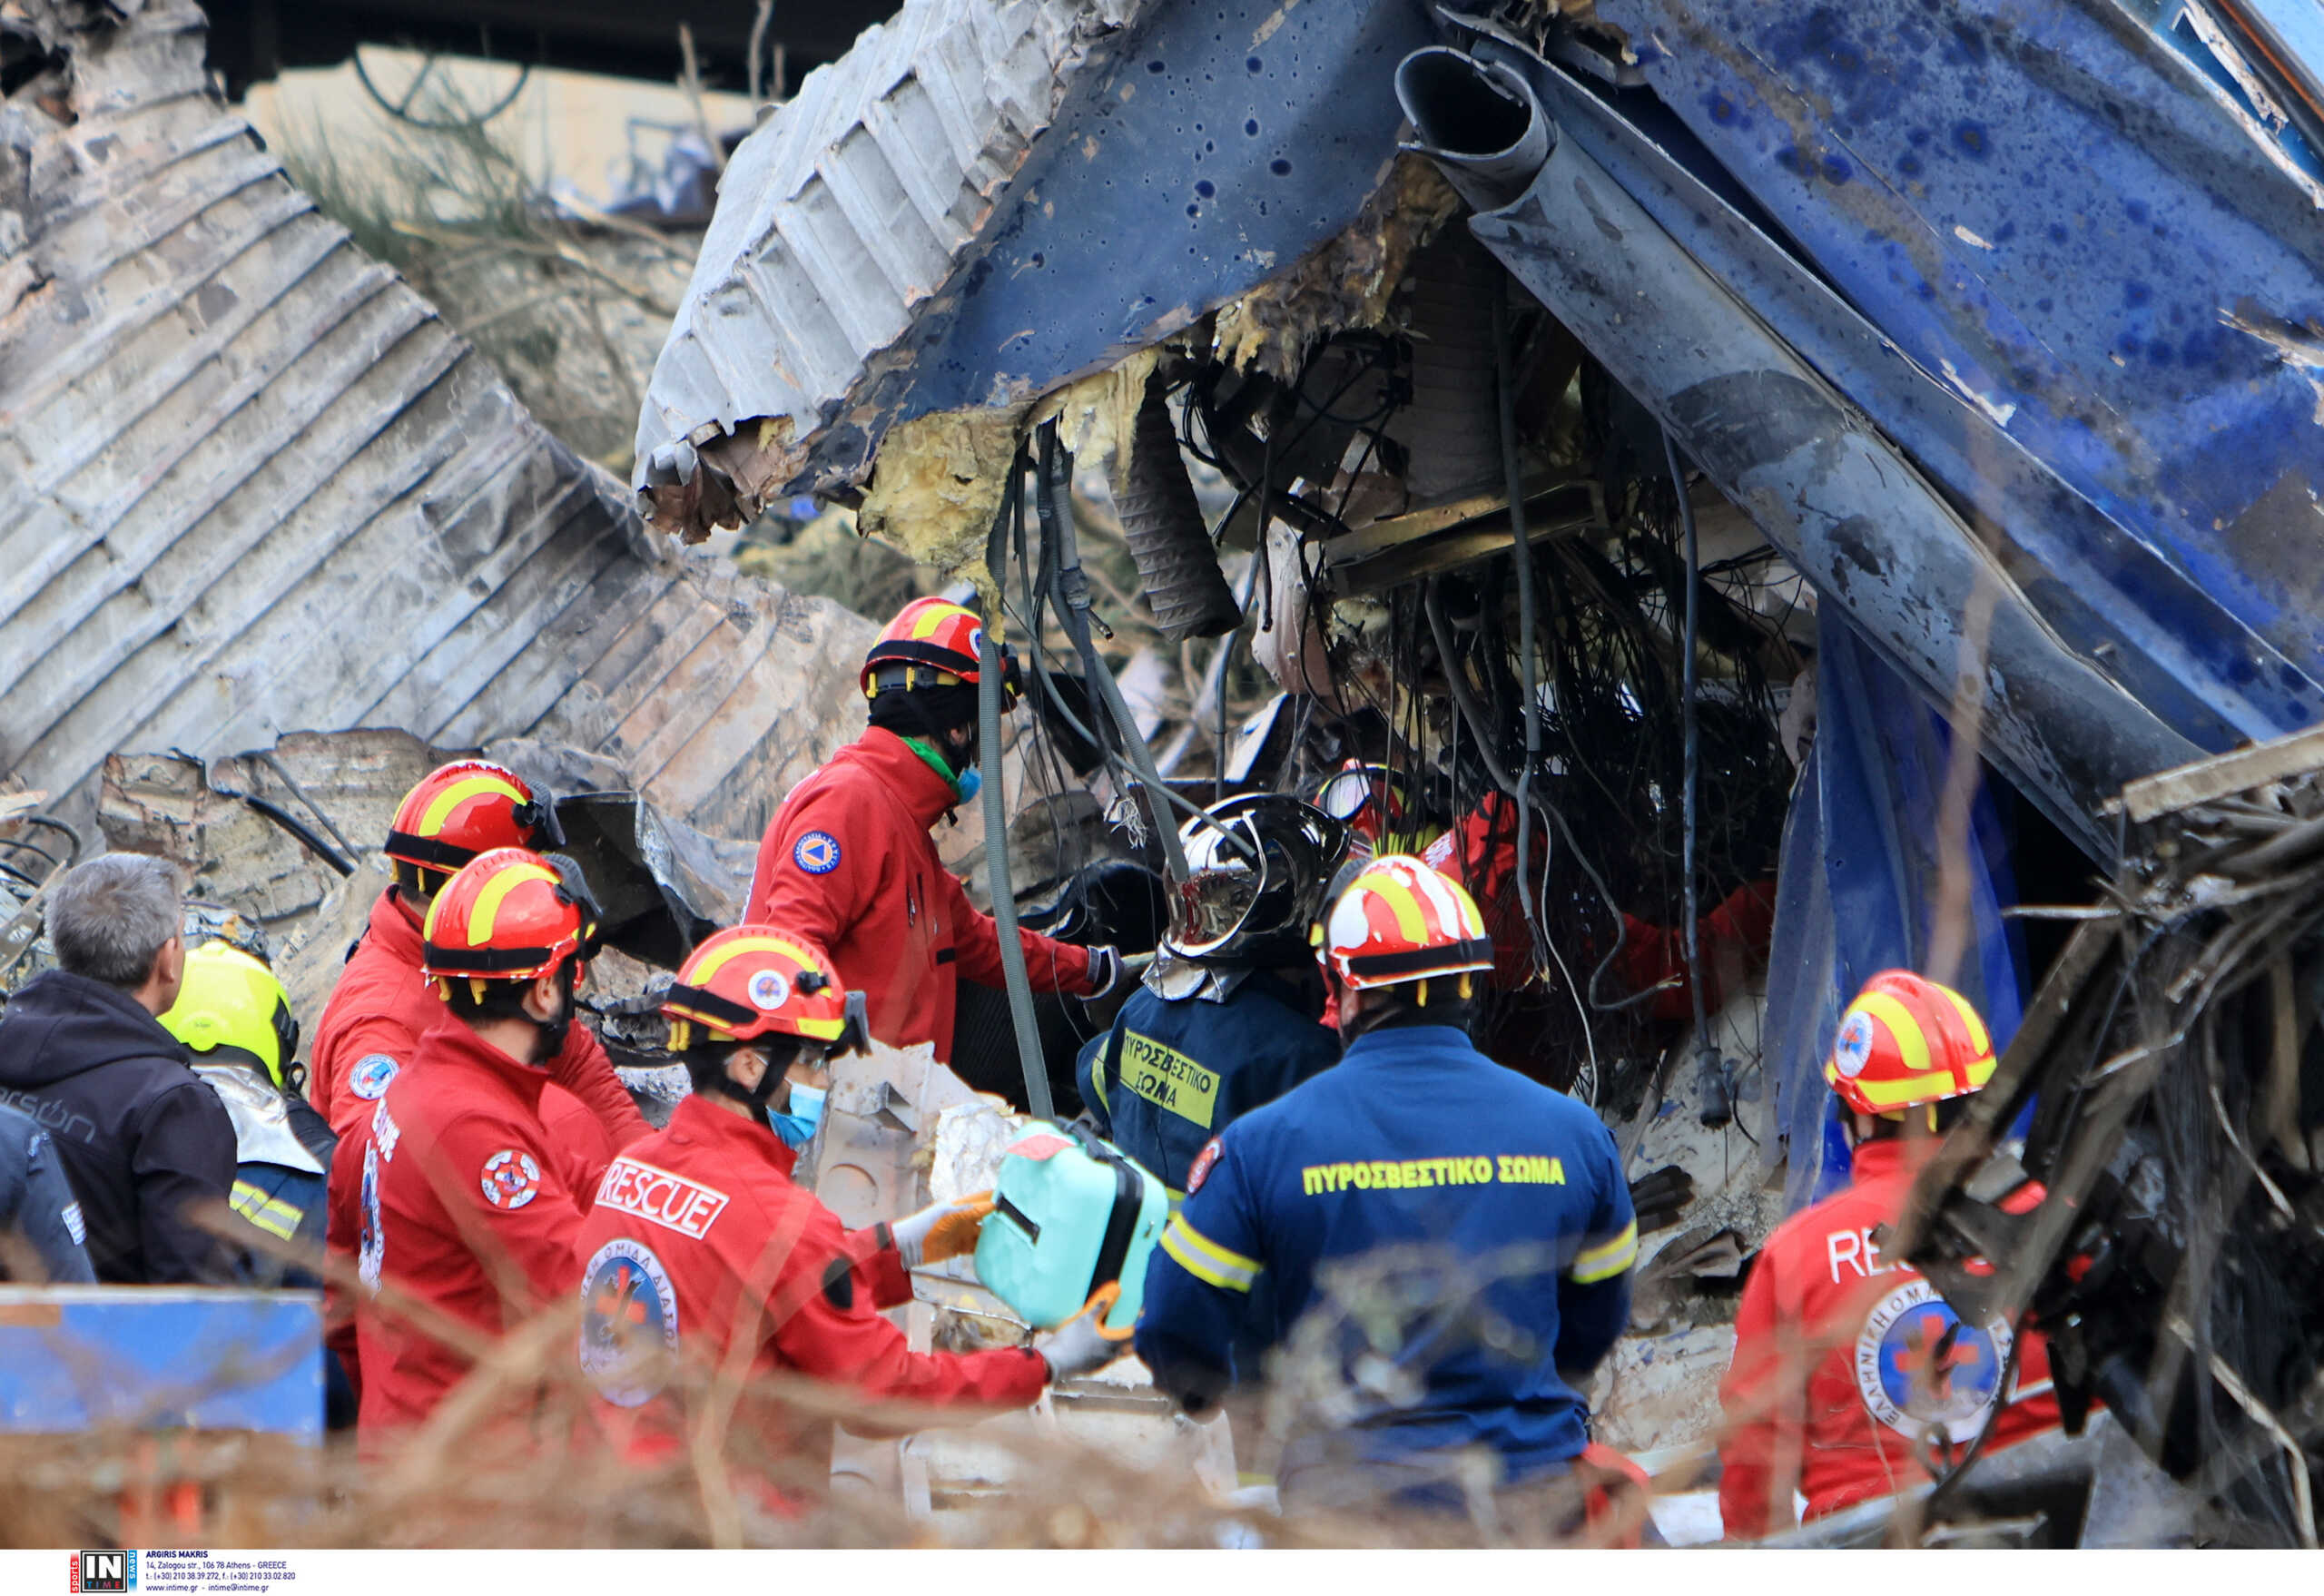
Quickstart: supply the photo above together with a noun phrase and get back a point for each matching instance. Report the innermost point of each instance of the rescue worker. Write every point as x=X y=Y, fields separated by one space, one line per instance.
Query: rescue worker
x=1487 y=1211
x=40 y=1223
x=145 y=1145
x=1228 y=1017
x=235 y=1018
x=1845 y=1361
x=700 y=1248
x=381 y=1005
x=466 y=1201
x=849 y=864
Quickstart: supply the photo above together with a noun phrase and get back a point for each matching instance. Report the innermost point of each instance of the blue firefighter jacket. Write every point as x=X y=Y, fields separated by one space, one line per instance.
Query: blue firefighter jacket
x=1188 y=1069
x=1490 y=1214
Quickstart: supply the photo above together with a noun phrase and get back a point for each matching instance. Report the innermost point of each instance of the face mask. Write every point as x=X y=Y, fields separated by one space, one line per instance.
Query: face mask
x=968 y=783
x=797 y=1127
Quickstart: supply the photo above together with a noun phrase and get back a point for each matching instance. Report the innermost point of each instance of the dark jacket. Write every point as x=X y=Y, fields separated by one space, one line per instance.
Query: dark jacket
x=1169 y=1076
x=1496 y=1218
x=37 y=1206
x=143 y=1139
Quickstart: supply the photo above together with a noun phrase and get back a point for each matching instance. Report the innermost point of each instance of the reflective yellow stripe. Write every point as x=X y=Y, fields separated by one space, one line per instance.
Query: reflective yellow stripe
x=1979 y=1038
x=431 y=820
x=924 y=624
x=1206 y=1260
x=1607 y=1259
x=1938 y=1084
x=721 y=957
x=488 y=901
x=1911 y=1040
x=1405 y=904
x=270 y=1214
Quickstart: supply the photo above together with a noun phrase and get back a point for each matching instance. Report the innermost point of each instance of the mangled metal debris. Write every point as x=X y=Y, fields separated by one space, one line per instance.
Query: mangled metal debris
x=2159 y=1221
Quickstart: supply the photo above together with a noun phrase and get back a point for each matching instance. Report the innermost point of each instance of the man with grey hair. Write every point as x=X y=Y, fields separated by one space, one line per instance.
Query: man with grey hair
x=144 y=1141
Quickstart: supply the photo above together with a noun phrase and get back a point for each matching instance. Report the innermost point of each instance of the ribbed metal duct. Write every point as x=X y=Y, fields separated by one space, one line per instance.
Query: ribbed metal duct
x=1184 y=586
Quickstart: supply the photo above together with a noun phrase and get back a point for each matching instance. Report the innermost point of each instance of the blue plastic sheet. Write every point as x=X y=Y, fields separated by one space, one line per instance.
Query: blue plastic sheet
x=1857 y=889
x=151 y=1358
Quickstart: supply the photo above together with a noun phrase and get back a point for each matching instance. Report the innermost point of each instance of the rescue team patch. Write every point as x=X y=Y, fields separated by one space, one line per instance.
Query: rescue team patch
x=1199 y=1170
x=1917 y=1365
x=1170 y=1080
x=1409 y=1174
x=769 y=990
x=1852 y=1051
x=370 y=1078
x=817 y=853
x=670 y=1201
x=629 y=1323
x=511 y=1178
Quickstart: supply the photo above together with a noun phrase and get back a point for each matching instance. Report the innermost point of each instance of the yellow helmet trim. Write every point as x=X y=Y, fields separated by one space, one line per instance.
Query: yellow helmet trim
x=495 y=892
x=439 y=810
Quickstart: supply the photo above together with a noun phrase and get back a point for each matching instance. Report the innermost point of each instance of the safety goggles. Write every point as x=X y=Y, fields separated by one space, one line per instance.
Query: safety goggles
x=1358 y=794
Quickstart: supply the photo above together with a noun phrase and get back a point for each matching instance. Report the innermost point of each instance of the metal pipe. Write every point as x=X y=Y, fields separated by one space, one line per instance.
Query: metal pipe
x=995 y=802
x=1478 y=121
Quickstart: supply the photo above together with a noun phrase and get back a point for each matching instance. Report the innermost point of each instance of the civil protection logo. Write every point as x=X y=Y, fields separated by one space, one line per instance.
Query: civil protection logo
x=817 y=853
x=629 y=1323
x=371 y=1075
x=769 y=990
x=1919 y=1364
x=511 y=1178
x=1852 y=1051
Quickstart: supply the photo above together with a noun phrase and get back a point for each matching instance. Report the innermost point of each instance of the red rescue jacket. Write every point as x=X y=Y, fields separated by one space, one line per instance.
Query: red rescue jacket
x=698 y=1243
x=1895 y=1359
x=465 y=1202
x=848 y=863
x=379 y=1009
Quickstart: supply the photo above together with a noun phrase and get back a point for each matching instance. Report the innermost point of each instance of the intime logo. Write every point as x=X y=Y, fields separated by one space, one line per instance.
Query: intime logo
x=104 y=1570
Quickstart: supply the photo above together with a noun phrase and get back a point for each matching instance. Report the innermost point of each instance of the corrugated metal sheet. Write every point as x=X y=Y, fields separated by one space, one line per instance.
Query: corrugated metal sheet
x=846 y=210
x=898 y=241
x=254 y=484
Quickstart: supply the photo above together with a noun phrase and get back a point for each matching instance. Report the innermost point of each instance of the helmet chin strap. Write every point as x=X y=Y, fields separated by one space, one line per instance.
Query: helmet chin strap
x=755 y=1098
x=555 y=1033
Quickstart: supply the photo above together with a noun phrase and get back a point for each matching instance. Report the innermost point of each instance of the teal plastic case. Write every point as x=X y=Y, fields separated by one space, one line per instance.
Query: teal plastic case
x=1072 y=1218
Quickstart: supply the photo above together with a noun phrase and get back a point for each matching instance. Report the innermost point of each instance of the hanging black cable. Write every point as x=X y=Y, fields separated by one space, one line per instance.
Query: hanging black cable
x=996 y=821
x=1528 y=662
x=1716 y=1108
x=1054 y=478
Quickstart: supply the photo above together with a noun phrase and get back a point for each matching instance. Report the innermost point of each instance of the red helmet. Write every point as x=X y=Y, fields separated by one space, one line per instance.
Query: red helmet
x=461 y=810
x=1399 y=921
x=1907 y=1040
x=932 y=643
x=756 y=980
x=508 y=914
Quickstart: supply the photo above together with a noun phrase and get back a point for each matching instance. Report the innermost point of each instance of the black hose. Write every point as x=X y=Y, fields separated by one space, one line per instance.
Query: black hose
x=996 y=828
x=1054 y=479
x=1717 y=1108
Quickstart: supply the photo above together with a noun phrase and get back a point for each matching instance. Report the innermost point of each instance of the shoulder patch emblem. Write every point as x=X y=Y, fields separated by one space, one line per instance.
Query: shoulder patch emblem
x=817 y=853
x=1204 y=1162
x=370 y=1078
x=511 y=1178
x=78 y=1226
x=629 y=1323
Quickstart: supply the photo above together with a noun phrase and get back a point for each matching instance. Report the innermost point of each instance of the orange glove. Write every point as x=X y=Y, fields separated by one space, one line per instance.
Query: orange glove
x=941 y=1230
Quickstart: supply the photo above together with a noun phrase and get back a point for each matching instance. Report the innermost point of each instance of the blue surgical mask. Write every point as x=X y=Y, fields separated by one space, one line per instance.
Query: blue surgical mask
x=797 y=1127
x=968 y=783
